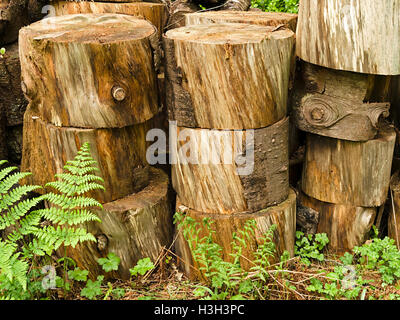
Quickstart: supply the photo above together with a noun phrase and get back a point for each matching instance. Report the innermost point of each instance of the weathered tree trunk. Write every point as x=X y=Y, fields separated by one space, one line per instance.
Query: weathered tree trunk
x=14 y=14
x=353 y=35
x=177 y=11
x=231 y=171
x=228 y=76
x=346 y=226
x=11 y=95
x=394 y=216
x=120 y=153
x=91 y=71
x=340 y=104
x=14 y=144
x=3 y=145
x=274 y=19
x=154 y=12
x=133 y=228
x=347 y=172
x=282 y=215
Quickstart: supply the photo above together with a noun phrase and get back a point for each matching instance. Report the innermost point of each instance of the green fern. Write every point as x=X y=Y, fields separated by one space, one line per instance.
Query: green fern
x=69 y=208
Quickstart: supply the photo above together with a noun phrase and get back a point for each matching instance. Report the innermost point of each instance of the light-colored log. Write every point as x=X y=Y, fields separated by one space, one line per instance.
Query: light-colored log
x=352 y=35
x=282 y=215
x=153 y=12
x=133 y=228
x=228 y=76
x=231 y=171
x=346 y=226
x=340 y=104
x=347 y=172
x=274 y=19
x=91 y=70
x=120 y=153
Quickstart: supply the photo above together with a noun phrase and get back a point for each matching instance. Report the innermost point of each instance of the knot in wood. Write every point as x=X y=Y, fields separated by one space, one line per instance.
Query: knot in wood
x=317 y=114
x=102 y=242
x=118 y=93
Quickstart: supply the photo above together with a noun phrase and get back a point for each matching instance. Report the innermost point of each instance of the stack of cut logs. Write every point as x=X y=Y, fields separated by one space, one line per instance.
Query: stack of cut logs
x=92 y=78
x=227 y=91
x=349 y=51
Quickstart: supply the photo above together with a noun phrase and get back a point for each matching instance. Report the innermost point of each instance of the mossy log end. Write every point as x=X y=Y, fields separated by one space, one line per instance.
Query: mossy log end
x=227 y=76
x=282 y=215
x=135 y=227
x=91 y=70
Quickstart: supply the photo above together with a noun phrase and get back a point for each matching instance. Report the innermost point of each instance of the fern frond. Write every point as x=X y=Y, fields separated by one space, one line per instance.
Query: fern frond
x=61 y=217
x=6 y=171
x=65 y=202
x=11 y=180
x=15 y=195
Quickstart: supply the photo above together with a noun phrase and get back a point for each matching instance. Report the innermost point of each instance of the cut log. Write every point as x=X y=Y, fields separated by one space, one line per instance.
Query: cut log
x=274 y=19
x=133 y=228
x=14 y=14
x=177 y=11
x=340 y=104
x=282 y=215
x=91 y=70
x=156 y=13
x=394 y=216
x=352 y=35
x=346 y=226
x=11 y=95
x=230 y=171
x=228 y=76
x=347 y=172
x=120 y=153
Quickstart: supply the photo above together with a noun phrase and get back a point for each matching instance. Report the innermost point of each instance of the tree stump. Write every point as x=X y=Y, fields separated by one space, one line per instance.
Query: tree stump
x=120 y=153
x=135 y=227
x=347 y=172
x=231 y=171
x=153 y=12
x=90 y=71
x=346 y=226
x=14 y=14
x=340 y=104
x=394 y=216
x=274 y=19
x=352 y=35
x=282 y=215
x=213 y=81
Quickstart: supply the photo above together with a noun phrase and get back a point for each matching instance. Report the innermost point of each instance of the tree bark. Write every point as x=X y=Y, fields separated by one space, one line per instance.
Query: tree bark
x=352 y=35
x=340 y=104
x=215 y=179
x=282 y=215
x=153 y=12
x=90 y=71
x=214 y=82
x=120 y=153
x=14 y=14
x=274 y=19
x=14 y=144
x=346 y=172
x=11 y=95
x=346 y=226
x=135 y=227
x=394 y=216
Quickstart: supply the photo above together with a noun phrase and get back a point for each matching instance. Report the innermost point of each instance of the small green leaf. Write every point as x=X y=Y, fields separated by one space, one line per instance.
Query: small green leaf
x=111 y=262
x=143 y=266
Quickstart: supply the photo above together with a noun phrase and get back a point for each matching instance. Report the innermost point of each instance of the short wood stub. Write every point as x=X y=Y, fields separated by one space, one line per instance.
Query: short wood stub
x=282 y=215
x=133 y=228
x=274 y=19
x=346 y=226
x=71 y=63
x=352 y=35
x=227 y=76
x=120 y=153
x=231 y=171
x=347 y=172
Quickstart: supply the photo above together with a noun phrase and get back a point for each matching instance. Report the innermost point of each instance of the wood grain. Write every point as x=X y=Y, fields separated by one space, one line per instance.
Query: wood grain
x=228 y=76
x=352 y=35
x=346 y=172
x=223 y=184
x=346 y=226
x=120 y=153
x=72 y=64
x=273 y=19
x=282 y=215
x=394 y=215
x=135 y=227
